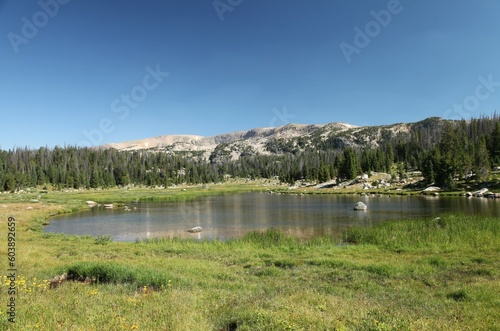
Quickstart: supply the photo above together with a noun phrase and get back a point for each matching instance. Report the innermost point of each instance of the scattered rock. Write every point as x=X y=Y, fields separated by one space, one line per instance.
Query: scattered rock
x=480 y=193
x=195 y=229
x=91 y=203
x=432 y=189
x=29 y=208
x=360 y=206
x=89 y=281
x=58 y=280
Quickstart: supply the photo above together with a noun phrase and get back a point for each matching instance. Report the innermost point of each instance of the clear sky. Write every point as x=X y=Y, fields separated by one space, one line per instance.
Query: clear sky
x=77 y=72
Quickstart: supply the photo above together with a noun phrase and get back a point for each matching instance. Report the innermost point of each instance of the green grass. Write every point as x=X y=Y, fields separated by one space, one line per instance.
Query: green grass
x=123 y=195
x=450 y=231
x=113 y=273
x=431 y=274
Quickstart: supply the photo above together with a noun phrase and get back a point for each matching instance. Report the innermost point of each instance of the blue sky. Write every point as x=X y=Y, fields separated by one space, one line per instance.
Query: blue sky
x=77 y=72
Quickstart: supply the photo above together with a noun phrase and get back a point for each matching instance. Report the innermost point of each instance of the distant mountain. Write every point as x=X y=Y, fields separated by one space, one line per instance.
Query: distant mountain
x=289 y=138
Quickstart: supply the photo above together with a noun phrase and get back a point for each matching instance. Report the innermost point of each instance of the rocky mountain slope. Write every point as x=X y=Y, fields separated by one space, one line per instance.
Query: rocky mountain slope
x=284 y=139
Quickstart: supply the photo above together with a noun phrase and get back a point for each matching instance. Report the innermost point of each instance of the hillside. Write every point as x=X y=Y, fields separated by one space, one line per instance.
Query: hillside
x=284 y=139
x=448 y=154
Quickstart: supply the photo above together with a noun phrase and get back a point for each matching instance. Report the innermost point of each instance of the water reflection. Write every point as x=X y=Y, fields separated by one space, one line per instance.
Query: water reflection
x=232 y=216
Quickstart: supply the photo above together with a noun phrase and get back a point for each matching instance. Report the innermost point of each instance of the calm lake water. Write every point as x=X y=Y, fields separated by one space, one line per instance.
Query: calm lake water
x=231 y=216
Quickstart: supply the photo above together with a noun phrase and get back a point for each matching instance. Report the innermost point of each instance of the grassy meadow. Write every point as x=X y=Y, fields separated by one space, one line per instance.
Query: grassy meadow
x=431 y=274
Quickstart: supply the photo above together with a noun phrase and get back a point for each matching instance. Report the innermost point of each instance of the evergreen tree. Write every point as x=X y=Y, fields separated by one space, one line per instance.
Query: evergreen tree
x=350 y=167
x=481 y=160
x=324 y=173
x=9 y=183
x=390 y=157
x=495 y=145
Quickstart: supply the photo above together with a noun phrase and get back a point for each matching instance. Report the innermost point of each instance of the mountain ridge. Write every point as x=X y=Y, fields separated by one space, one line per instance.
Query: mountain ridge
x=275 y=140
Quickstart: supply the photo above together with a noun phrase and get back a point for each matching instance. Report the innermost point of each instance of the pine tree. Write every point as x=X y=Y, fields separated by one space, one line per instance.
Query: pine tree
x=324 y=173
x=350 y=167
x=481 y=160
x=9 y=183
x=390 y=157
x=495 y=145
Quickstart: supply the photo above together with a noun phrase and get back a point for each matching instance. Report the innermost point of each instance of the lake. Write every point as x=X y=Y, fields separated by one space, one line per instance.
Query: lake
x=231 y=216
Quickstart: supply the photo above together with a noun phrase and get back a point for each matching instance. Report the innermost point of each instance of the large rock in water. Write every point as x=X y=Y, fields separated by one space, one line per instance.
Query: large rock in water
x=360 y=206
x=480 y=193
x=432 y=189
x=195 y=229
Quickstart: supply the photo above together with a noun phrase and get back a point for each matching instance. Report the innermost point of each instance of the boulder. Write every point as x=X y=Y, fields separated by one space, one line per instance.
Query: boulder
x=432 y=189
x=195 y=229
x=360 y=206
x=480 y=193
x=91 y=203
x=108 y=205
x=468 y=194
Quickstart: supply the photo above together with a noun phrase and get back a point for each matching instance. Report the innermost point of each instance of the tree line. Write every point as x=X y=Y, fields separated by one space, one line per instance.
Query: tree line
x=459 y=150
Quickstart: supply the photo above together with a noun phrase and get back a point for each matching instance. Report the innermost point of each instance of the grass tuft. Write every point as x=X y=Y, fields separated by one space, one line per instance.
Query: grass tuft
x=103 y=240
x=459 y=295
x=102 y=272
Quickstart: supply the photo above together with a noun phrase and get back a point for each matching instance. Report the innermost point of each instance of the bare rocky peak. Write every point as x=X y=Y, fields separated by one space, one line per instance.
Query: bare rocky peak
x=256 y=140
